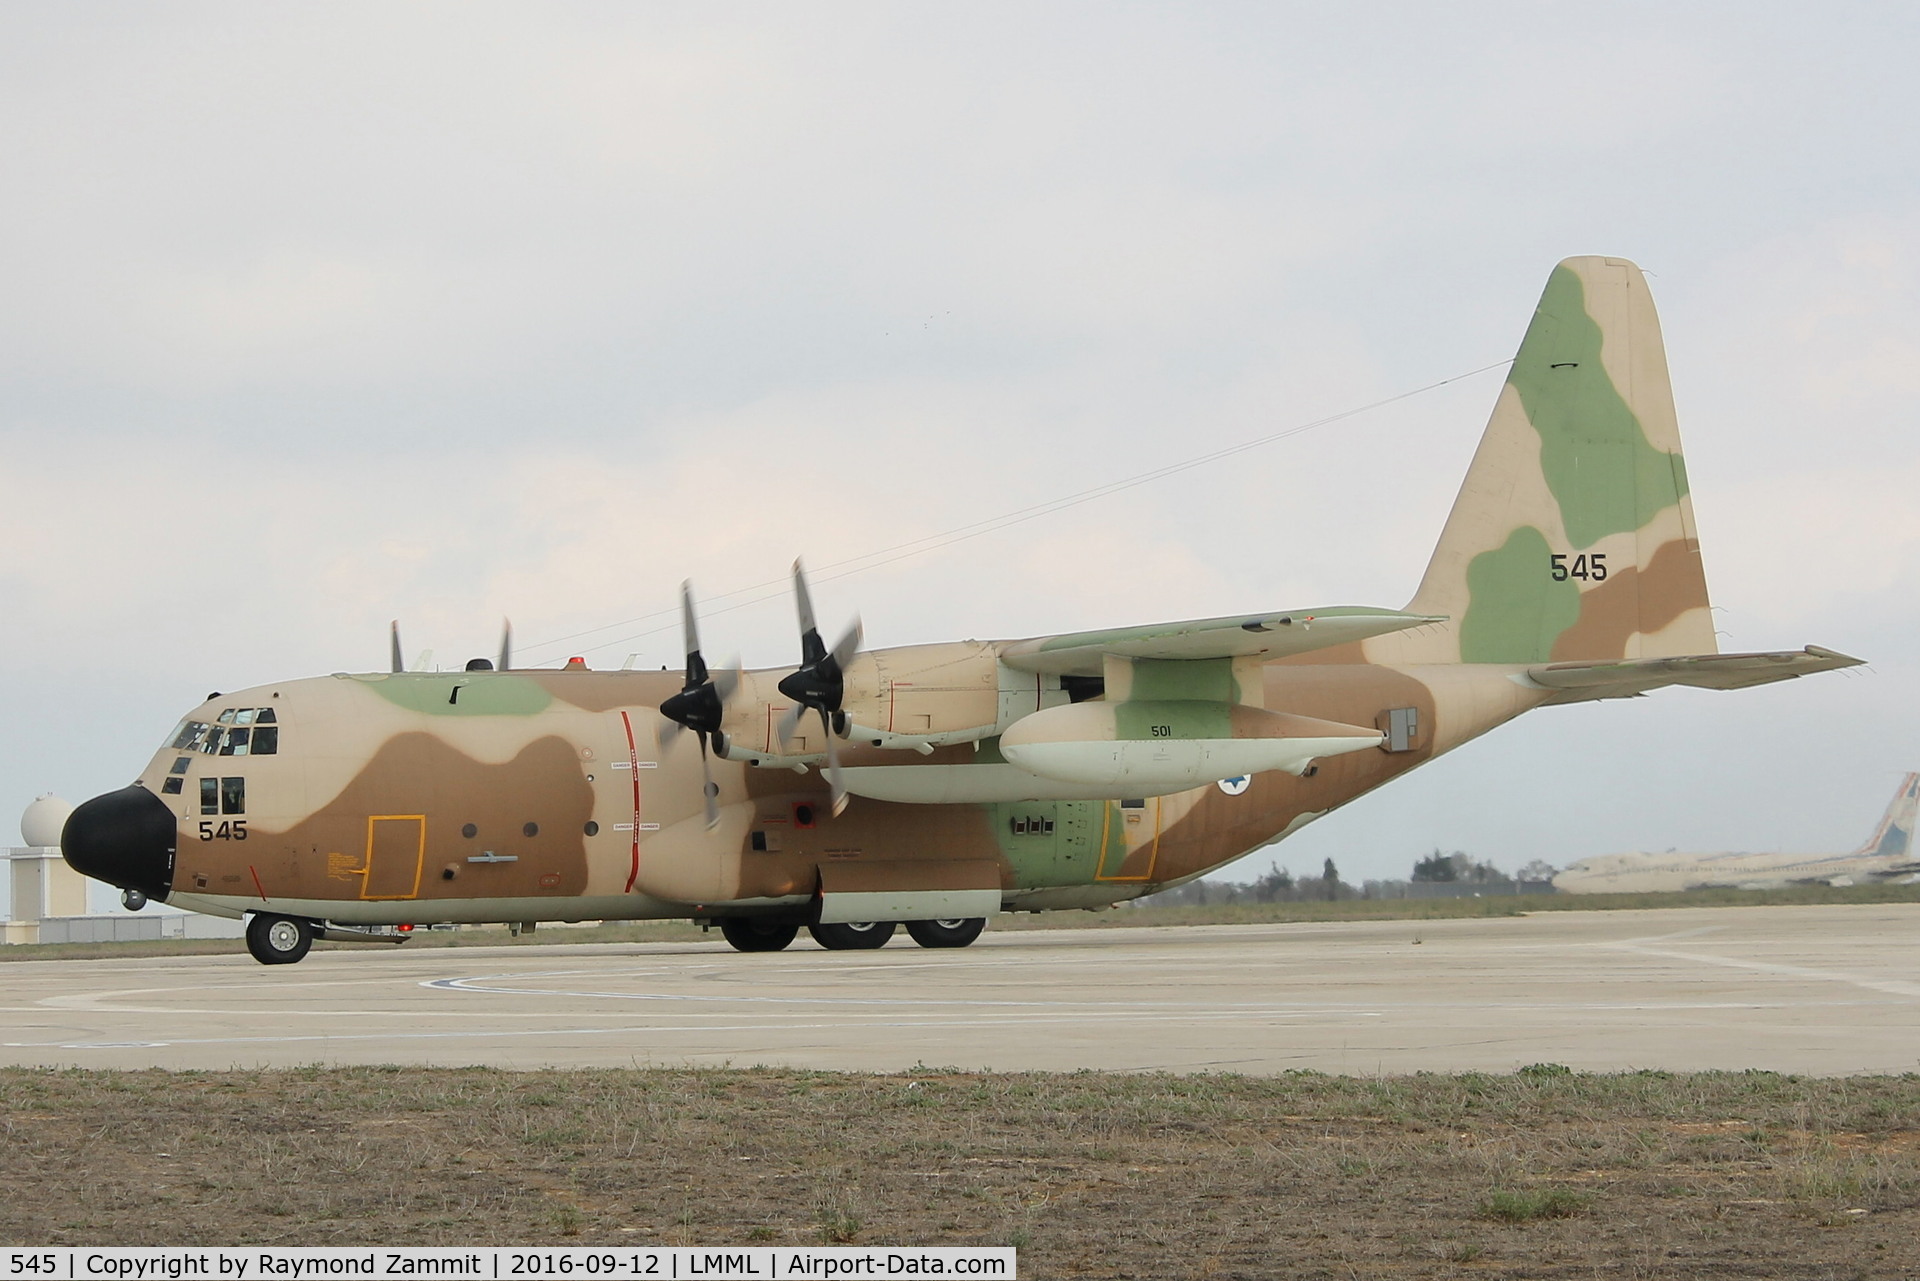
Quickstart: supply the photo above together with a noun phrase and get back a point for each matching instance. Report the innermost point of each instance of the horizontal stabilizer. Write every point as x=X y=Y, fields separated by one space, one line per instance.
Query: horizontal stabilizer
x=1626 y=678
x=1267 y=636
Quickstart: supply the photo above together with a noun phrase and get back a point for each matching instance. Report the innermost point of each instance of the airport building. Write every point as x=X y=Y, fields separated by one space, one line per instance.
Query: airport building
x=46 y=901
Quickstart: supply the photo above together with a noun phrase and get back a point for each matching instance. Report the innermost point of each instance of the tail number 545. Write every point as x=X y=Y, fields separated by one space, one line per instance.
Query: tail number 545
x=233 y=831
x=1586 y=567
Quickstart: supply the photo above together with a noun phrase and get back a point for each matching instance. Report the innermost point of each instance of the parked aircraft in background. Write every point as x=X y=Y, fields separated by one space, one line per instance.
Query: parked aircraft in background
x=1887 y=855
x=938 y=784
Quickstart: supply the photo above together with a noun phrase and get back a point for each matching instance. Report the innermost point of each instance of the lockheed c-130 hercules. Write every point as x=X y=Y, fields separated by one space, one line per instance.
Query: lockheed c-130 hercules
x=938 y=784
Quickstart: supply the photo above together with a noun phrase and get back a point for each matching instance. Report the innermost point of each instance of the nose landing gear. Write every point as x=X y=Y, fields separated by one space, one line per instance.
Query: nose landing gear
x=278 y=940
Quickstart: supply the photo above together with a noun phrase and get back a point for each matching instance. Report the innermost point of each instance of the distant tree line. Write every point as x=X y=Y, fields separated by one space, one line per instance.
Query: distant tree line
x=1281 y=886
x=1277 y=886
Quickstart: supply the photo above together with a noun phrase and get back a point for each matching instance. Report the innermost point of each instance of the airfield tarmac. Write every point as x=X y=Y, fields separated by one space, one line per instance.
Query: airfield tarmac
x=1816 y=990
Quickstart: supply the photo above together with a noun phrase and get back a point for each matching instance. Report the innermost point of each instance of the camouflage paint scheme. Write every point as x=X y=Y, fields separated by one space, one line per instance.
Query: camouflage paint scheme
x=1886 y=855
x=1569 y=569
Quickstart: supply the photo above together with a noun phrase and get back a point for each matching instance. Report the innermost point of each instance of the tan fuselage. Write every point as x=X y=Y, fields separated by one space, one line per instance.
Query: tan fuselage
x=528 y=795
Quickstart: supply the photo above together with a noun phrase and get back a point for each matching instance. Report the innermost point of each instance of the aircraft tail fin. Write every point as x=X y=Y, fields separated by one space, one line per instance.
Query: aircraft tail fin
x=1894 y=837
x=1572 y=538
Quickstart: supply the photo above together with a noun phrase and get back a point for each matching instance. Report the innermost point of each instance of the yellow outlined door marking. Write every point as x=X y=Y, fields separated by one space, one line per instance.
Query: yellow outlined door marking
x=394 y=856
x=1117 y=859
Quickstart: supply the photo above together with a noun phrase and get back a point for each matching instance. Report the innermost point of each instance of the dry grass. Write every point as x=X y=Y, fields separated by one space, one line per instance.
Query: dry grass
x=1540 y=1173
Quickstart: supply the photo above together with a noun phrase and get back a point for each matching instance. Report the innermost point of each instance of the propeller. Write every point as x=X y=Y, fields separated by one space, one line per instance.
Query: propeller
x=819 y=683
x=395 y=664
x=700 y=705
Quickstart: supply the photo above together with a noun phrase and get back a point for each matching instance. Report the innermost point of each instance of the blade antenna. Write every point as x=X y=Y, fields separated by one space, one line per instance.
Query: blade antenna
x=506 y=645
x=398 y=665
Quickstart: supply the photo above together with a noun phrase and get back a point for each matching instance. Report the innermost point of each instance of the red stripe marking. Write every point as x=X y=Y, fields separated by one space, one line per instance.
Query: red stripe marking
x=633 y=772
x=257 y=885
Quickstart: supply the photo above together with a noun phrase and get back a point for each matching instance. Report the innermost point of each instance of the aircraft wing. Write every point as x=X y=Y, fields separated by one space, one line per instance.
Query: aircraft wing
x=1631 y=677
x=1275 y=635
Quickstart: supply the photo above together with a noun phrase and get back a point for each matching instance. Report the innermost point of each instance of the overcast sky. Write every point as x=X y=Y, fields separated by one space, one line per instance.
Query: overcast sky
x=315 y=317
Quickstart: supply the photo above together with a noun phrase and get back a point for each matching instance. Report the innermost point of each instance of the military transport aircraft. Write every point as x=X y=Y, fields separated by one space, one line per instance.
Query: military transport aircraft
x=1886 y=856
x=938 y=784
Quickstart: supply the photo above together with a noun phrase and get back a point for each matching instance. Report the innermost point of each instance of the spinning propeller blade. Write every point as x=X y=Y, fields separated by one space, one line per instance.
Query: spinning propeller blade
x=819 y=683
x=699 y=706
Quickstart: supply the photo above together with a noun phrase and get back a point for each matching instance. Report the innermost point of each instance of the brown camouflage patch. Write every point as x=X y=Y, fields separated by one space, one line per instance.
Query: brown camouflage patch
x=328 y=855
x=1630 y=601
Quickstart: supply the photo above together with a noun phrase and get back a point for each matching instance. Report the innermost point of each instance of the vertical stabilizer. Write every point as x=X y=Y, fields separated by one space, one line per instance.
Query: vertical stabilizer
x=1894 y=836
x=1573 y=536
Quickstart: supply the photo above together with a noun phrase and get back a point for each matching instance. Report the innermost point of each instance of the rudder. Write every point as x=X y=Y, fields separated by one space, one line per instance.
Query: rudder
x=1572 y=537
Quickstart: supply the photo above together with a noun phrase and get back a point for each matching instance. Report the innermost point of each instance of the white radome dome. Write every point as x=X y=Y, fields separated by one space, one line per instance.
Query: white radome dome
x=40 y=825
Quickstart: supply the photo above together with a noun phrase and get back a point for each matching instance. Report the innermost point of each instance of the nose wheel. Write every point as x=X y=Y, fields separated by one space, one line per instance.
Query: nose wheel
x=278 y=940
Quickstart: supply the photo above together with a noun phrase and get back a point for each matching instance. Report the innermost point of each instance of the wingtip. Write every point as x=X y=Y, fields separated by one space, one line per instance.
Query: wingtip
x=1835 y=657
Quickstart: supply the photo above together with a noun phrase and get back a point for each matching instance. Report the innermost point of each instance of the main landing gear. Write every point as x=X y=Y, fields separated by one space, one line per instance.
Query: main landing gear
x=946 y=933
x=278 y=940
x=852 y=935
x=758 y=933
x=771 y=934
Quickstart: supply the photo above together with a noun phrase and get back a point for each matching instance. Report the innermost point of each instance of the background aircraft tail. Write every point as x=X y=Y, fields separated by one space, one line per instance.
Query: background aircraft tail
x=1894 y=836
x=1573 y=538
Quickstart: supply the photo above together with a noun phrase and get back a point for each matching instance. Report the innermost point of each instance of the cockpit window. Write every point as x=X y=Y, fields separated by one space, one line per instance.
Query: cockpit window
x=180 y=765
x=245 y=738
x=223 y=796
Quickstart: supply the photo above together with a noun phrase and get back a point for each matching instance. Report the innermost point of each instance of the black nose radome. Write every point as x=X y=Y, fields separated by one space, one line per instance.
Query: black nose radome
x=125 y=838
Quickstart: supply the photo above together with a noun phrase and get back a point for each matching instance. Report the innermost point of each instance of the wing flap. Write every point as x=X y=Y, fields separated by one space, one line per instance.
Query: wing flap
x=1626 y=678
x=1275 y=635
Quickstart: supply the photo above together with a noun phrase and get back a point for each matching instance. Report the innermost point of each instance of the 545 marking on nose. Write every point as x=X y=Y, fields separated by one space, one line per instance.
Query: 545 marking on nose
x=231 y=831
x=1588 y=567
